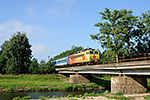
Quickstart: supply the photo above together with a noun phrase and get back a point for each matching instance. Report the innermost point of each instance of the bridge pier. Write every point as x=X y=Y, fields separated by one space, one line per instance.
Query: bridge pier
x=80 y=78
x=129 y=85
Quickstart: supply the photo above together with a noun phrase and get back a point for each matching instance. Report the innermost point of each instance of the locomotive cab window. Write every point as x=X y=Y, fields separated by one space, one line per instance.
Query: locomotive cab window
x=91 y=52
x=96 y=52
x=87 y=53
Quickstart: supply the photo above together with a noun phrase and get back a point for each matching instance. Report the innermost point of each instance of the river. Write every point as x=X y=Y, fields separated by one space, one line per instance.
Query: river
x=36 y=95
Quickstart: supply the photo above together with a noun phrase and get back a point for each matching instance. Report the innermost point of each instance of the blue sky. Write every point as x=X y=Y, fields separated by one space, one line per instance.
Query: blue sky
x=54 y=26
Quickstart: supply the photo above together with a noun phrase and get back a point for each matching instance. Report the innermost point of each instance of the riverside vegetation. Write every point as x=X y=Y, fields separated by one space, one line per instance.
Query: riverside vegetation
x=52 y=82
x=85 y=96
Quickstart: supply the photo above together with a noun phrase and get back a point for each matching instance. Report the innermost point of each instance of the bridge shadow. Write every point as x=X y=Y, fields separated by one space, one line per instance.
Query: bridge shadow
x=102 y=82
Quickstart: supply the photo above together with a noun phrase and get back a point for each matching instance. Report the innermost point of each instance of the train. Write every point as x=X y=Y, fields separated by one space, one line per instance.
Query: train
x=84 y=57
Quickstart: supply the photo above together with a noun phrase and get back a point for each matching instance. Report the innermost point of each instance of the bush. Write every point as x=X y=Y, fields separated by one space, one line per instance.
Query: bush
x=97 y=94
x=83 y=97
x=147 y=97
x=78 y=96
x=42 y=89
x=69 y=87
x=92 y=94
x=86 y=94
x=41 y=97
x=31 y=89
x=106 y=92
x=69 y=95
x=9 y=89
x=16 y=98
x=24 y=98
x=54 y=96
x=53 y=88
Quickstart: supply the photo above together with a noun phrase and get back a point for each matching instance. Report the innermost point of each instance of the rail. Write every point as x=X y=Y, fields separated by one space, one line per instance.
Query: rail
x=129 y=58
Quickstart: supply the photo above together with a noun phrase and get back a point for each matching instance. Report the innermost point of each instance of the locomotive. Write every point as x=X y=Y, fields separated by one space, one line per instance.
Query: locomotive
x=84 y=57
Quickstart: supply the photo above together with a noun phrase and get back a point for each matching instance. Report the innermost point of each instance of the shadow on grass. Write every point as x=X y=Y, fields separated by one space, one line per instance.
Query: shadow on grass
x=101 y=82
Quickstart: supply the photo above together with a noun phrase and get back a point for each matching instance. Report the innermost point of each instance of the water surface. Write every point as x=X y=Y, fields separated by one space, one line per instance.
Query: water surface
x=36 y=95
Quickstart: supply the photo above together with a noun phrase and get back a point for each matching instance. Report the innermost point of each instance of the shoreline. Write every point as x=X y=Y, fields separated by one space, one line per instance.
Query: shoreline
x=102 y=96
x=46 y=89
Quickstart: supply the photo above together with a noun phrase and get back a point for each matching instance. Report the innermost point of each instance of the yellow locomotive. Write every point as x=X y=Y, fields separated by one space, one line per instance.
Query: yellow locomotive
x=86 y=56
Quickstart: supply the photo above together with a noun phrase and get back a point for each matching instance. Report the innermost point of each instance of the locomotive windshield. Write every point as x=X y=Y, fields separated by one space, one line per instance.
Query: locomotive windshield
x=96 y=52
x=91 y=52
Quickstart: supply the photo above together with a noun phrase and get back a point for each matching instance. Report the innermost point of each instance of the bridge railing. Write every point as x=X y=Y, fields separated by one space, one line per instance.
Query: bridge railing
x=129 y=58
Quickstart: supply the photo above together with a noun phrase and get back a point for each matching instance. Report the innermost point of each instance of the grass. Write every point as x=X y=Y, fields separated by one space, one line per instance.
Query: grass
x=21 y=81
x=40 y=83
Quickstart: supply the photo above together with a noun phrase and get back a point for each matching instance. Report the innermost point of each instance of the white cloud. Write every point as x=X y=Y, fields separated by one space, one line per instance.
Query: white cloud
x=40 y=51
x=39 y=48
x=9 y=27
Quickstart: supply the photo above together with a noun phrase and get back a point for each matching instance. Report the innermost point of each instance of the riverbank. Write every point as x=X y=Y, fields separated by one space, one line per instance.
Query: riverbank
x=92 y=96
x=36 y=83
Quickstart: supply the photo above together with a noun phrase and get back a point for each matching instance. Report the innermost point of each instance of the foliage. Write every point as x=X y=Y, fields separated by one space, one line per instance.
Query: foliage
x=46 y=68
x=15 y=57
x=116 y=32
x=16 y=54
x=118 y=93
x=106 y=92
x=78 y=96
x=54 y=96
x=33 y=69
x=122 y=33
x=141 y=43
x=147 y=97
x=24 y=98
x=2 y=63
x=86 y=94
x=83 y=97
x=69 y=95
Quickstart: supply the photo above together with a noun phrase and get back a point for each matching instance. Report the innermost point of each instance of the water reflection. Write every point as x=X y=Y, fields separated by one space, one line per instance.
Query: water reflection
x=36 y=95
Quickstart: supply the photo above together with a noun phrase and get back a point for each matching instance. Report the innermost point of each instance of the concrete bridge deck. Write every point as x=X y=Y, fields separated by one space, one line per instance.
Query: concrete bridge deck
x=134 y=68
x=132 y=84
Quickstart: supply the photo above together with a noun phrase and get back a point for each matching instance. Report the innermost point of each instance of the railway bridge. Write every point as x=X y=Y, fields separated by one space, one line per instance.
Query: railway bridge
x=133 y=66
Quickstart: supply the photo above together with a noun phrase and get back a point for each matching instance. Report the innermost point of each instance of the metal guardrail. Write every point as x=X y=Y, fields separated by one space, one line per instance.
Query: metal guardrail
x=129 y=58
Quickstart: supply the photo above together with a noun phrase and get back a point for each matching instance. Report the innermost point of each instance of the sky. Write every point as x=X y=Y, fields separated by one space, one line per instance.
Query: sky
x=54 y=26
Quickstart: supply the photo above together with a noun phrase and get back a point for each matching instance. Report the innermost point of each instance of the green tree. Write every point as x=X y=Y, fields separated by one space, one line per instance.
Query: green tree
x=116 y=31
x=17 y=53
x=42 y=67
x=50 y=68
x=34 y=66
x=46 y=68
x=3 y=54
x=2 y=63
x=142 y=34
